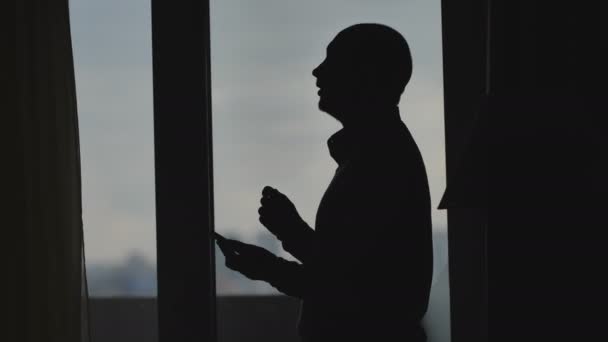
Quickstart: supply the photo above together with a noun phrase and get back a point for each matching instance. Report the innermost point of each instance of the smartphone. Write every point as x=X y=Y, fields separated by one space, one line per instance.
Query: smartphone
x=217 y=236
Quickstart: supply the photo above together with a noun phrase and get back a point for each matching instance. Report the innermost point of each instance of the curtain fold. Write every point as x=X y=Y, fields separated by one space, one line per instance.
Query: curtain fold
x=48 y=262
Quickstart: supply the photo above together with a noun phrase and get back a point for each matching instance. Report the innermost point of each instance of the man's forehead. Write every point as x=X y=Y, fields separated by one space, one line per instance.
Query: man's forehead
x=337 y=46
x=330 y=47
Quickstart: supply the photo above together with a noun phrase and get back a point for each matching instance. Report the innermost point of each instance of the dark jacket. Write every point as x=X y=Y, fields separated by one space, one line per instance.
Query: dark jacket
x=367 y=267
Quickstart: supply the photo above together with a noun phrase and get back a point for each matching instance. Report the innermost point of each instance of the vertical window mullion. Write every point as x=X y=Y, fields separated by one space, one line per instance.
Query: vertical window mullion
x=184 y=201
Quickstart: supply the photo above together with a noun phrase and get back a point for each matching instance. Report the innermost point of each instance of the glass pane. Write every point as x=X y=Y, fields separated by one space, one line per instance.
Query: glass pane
x=268 y=130
x=113 y=64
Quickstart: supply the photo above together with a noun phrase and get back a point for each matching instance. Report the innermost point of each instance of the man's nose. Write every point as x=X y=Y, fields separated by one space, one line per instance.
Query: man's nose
x=315 y=71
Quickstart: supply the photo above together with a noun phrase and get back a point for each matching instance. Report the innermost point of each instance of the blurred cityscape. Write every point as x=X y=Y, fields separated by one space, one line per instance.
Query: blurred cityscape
x=136 y=276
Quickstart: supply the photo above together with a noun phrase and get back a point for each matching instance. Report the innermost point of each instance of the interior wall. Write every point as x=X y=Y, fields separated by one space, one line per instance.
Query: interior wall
x=240 y=319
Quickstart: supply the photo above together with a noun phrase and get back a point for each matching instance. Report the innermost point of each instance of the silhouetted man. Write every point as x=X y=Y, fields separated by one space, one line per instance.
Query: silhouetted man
x=365 y=270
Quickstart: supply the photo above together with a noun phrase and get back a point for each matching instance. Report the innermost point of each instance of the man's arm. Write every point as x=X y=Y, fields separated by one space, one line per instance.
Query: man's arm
x=288 y=277
x=279 y=215
x=299 y=242
x=257 y=263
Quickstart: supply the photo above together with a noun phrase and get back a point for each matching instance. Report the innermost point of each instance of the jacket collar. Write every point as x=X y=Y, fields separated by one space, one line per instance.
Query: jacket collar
x=349 y=142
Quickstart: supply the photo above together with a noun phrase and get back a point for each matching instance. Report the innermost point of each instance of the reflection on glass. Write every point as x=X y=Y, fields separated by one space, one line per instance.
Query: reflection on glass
x=112 y=55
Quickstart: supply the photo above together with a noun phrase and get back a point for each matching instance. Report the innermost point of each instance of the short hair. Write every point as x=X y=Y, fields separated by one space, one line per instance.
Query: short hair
x=383 y=49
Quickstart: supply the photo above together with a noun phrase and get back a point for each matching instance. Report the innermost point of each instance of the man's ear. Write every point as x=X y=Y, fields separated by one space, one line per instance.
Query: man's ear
x=370 y=79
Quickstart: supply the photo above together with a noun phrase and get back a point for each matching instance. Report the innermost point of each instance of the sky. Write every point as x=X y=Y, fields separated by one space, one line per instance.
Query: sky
x=266 y=125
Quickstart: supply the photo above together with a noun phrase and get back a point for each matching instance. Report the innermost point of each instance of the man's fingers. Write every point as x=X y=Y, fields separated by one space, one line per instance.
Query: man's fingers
x=263 y=221
x=234 y=244
x=269 y=222
x=233 y=264
x=267 y=201
x=268 y=211
x=246 y=249
x=234 y=247
x=268 y=191
x=221 y=245
x=225 y=248
x=271 y=193
x=240 y=248
x=234 y=260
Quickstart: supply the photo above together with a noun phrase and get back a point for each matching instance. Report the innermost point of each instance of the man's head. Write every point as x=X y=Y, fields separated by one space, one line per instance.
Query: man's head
x=367 y=66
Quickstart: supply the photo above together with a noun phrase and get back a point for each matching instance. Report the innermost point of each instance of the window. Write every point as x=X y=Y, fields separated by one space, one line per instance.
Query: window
x=182 y=130
x=113 y=66
x=112 y=53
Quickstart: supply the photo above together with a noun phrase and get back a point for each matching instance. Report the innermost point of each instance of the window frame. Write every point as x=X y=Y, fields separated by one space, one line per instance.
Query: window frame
x=466 y=74
x=183 y=170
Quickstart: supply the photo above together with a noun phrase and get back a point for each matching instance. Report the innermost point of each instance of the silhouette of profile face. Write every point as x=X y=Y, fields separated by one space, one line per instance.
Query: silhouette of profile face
x=367 y=67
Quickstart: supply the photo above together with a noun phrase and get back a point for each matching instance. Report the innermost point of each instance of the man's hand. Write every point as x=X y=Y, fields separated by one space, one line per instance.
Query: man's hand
x=279 y=215
x=253 y=262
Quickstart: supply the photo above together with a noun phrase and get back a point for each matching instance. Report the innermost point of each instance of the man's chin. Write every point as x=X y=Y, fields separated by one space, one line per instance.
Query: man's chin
x=324 y=106
x=321 y=106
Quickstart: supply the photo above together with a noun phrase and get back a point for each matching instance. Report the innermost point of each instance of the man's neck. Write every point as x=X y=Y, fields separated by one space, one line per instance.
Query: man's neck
x=364 y=119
